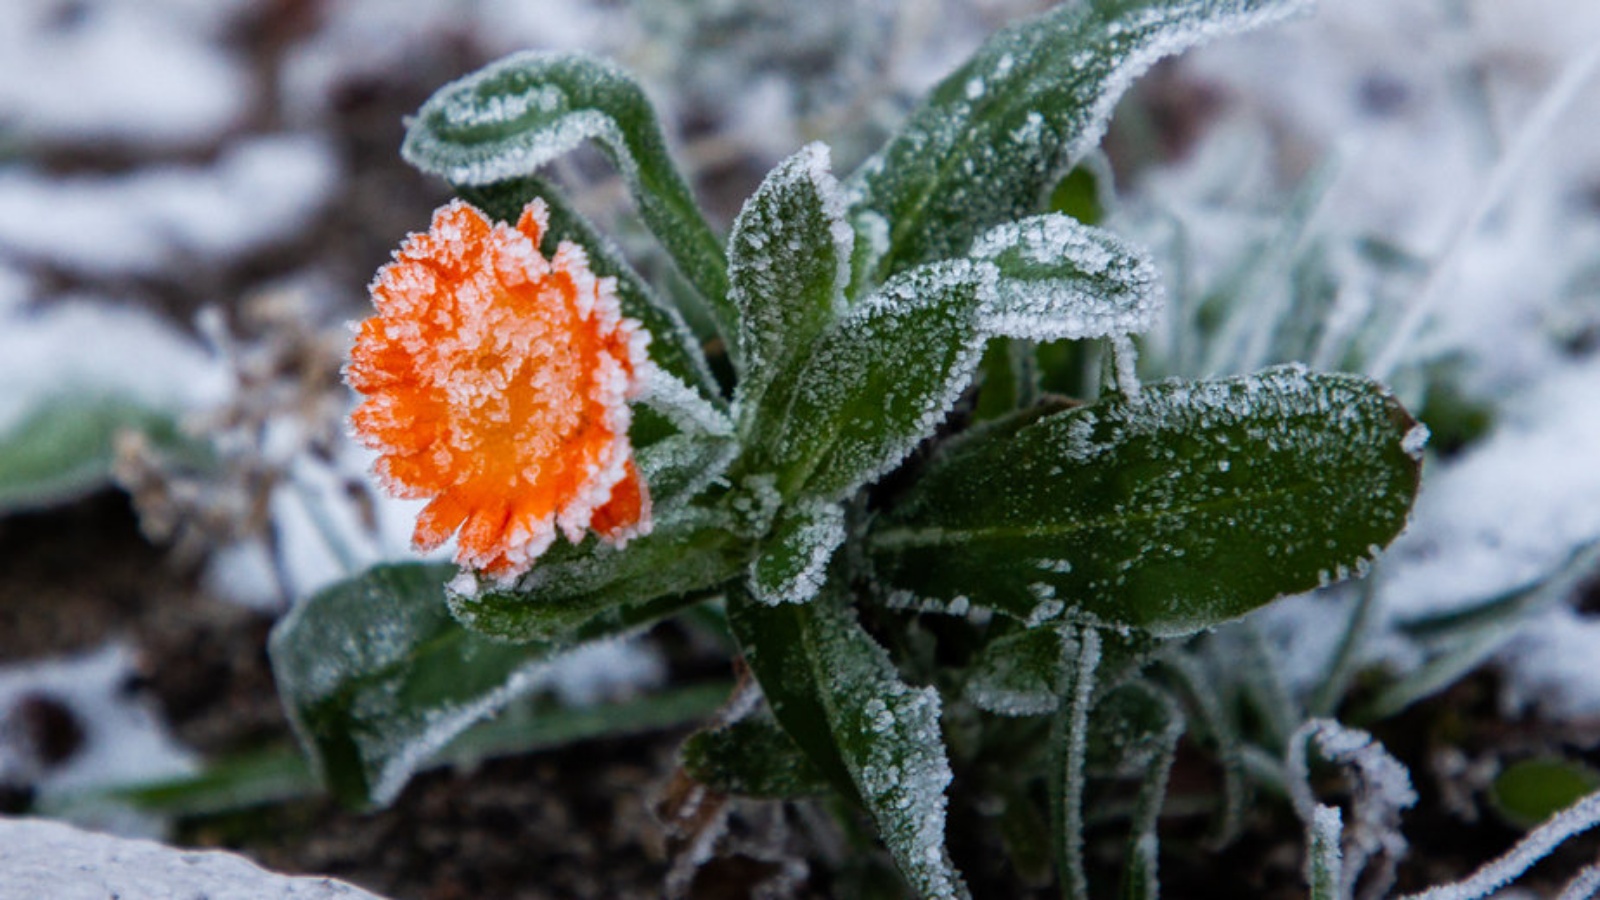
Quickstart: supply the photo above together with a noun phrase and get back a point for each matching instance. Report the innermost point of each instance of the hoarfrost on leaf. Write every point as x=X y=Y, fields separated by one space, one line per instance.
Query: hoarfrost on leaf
x=789 y=260
x=882 y=379
x=1132 y=495
x=838 y=694
x=1060 y=279
x=793 y=562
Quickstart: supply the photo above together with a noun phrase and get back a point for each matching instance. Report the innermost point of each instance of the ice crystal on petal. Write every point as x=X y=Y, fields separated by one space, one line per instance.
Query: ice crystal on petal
x=497 y=384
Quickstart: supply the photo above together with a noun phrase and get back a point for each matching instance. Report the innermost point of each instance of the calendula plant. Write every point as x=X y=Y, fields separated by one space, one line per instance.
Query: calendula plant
x=960 y=596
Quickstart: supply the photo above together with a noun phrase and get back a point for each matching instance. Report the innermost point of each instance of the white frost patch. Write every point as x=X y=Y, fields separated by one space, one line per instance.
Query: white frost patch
x=49 y=859
x=123 y=740
x=161 y=219
x=1550 y=666
x=1511 y=509
x=95 y=348
x=151 y=74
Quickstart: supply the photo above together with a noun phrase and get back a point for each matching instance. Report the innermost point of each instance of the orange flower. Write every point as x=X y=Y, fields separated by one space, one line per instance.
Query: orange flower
x=497 y=383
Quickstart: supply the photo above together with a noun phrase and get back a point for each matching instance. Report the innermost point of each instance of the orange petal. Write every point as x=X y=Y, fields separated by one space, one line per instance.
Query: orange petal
x=440 y=519
x=534 y=221
x=628 y=510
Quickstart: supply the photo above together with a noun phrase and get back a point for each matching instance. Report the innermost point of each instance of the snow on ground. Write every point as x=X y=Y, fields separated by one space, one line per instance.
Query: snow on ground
x=1511 y=509
x=49 y=859
x=93 y=346
x=120 y=740
x=161 y=219
x=150 y=74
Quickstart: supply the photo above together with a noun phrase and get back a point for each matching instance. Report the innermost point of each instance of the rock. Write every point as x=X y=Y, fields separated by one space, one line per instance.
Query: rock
x=40 y=858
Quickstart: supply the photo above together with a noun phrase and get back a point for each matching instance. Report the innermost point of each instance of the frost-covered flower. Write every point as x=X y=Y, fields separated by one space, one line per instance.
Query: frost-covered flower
x=497 y=383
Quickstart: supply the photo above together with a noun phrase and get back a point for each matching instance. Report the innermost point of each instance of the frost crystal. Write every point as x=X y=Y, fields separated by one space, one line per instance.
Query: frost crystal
x=1059 y=279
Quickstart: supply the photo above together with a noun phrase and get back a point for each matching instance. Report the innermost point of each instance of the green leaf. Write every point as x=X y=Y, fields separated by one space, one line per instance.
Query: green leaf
x=789 y=259
x=513 y=116
x=572 y=585
x=1190 y=504
x=994 y=136
x=1059 y=278
x=879 y=382
x=1020 y=674
x=376 y=676
x=793 y=562
x=837 y=694
x=752 y=758
x=1530 y=791
x=673 y=347
x=63 y=447
x=676 y=459
x=1079 y=195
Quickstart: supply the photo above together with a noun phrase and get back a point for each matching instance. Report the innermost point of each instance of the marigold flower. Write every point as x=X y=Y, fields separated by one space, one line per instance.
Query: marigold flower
x=497 y=383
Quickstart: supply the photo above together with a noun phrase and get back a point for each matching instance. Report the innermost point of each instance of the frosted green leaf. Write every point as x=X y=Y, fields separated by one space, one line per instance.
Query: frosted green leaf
x=376 y=676
x=788 y=261
x=752 y=757
x=879 y=382
x=673 y=347
x=687 y=555
x=677 y=460
x=63 y=448
x=995 y=136
x=837 y=694
x=513 y=116
x=1060 y=279
x=1020 y=674
x=793 y=561
x=1190 y=504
